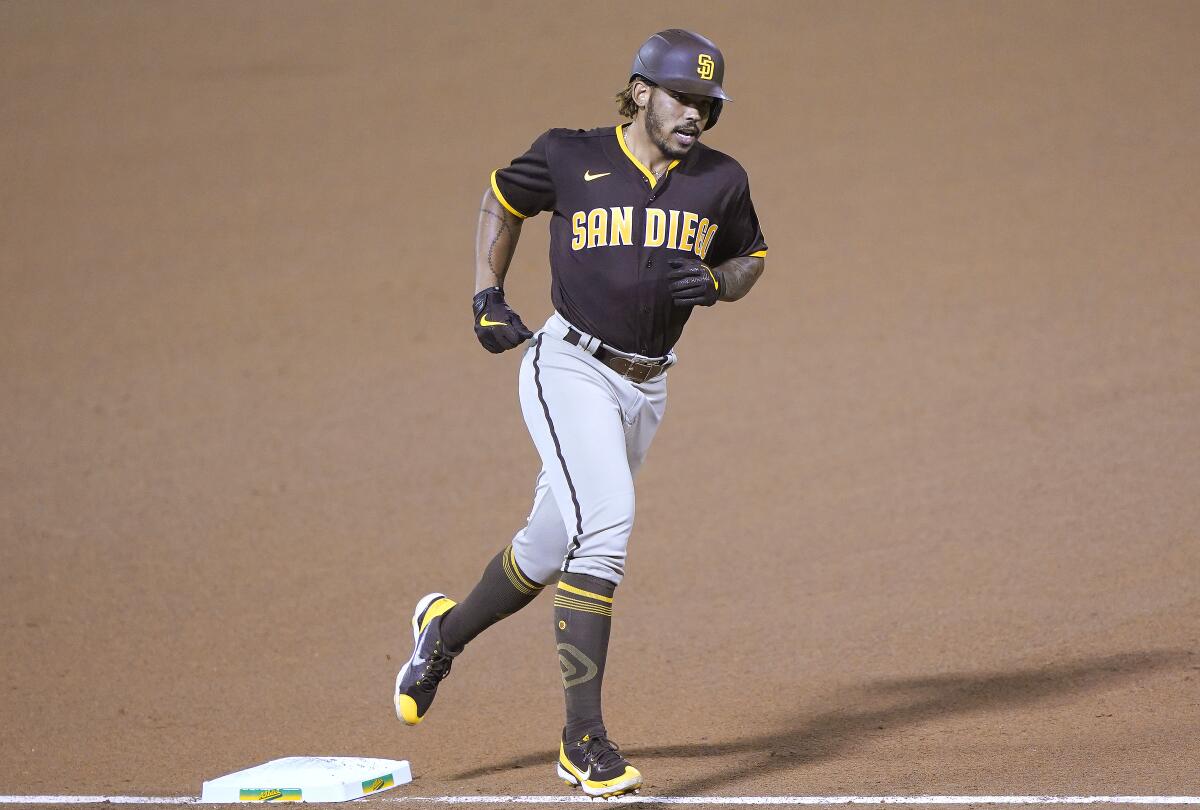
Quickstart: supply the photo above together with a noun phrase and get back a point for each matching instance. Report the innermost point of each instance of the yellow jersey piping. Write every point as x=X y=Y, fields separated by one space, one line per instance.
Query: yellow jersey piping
x=504 y=202
x=641 y=166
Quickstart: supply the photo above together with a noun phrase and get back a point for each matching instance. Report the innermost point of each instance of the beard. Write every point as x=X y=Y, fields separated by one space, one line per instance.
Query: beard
x=660 y=133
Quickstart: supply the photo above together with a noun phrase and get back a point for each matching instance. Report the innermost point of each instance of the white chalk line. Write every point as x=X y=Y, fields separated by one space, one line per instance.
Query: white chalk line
x=734 y=800
x=801 y=800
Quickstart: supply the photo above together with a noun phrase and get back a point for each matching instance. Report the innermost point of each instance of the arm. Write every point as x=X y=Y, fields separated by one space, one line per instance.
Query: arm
x=496 y=325
x=495 y=242
x=738 y=276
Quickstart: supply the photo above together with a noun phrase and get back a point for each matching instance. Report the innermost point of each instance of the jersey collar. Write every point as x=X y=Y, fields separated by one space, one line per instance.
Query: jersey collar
x=641 y=167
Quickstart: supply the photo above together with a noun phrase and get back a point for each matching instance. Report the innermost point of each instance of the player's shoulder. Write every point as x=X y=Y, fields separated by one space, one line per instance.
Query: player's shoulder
x=563 y=133
x=715 y=163
x=563 y=136
x=568 y=146
x=709 y=159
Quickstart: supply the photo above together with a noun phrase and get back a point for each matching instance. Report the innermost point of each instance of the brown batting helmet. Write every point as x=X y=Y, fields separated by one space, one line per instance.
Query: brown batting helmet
x=685 y=62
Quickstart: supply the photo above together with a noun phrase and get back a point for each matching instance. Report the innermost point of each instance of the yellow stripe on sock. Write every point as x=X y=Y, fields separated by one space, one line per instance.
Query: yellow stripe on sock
x=514 y=577
x=516 y=585
x=584 y=610
x=578 y=609
x=512 y=580
x=581 y=592
x=529 y=583
x=583 y=607
x=567 y=601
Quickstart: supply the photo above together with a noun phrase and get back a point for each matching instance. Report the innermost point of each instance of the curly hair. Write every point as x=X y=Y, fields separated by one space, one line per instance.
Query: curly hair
x=626 y=106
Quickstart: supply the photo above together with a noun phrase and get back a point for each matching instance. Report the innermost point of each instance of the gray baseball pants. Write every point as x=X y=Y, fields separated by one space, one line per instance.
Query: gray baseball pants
x=592 y=428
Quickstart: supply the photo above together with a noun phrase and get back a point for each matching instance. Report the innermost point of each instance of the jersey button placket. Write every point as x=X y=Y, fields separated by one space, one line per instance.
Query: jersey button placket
x=649 y=264
x=646 y=325
x=648 y=329
x=646 y=322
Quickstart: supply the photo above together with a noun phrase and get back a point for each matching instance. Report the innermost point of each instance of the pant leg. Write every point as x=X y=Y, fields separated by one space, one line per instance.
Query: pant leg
x=575 y=418
x=539 y=547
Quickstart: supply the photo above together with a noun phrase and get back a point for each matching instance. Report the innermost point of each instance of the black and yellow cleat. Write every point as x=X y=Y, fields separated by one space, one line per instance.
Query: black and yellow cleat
x=417 y=681
x=594 y=765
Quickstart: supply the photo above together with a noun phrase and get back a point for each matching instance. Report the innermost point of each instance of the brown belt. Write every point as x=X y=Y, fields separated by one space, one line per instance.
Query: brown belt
x=636 y=371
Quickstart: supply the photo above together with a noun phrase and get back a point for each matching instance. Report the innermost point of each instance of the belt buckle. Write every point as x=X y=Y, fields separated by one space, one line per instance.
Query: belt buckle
x=639 y=371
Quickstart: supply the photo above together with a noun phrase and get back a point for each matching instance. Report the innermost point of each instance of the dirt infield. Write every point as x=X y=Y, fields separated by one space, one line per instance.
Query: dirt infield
x=951 y=457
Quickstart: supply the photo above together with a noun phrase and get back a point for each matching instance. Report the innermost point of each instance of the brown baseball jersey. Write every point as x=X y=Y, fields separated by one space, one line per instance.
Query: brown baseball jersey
x=614 y=227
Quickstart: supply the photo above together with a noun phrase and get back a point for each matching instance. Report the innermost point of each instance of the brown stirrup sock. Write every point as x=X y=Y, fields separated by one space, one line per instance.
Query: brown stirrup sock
x=502 y=591
x=582 y=619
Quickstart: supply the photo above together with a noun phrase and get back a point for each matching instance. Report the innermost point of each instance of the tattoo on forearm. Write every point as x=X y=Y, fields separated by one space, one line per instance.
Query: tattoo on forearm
x=740 y=275
x=504 y=229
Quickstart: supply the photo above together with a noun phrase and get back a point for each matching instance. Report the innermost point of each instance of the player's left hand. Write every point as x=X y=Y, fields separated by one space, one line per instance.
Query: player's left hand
x=694 y=283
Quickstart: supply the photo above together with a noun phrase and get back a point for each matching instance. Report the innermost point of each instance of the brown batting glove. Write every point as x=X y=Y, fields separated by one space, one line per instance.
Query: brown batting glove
x=496 y=325
x=694 y=284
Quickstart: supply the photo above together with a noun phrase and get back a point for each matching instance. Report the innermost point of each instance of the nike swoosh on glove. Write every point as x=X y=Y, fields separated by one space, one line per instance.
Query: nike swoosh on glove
x=496 y=325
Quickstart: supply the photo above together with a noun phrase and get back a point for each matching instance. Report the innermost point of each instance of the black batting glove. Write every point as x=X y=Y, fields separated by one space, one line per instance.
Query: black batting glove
x=694 y=284
x=496 y=325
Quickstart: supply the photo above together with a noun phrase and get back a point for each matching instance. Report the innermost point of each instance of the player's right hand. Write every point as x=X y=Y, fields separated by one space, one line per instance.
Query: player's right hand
x=496 y=325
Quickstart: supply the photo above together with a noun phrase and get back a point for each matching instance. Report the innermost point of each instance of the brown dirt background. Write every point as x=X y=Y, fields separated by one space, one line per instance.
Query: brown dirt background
x=922 y=517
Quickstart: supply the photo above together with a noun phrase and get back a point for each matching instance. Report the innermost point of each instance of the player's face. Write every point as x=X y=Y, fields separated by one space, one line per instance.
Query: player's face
x=674 y=121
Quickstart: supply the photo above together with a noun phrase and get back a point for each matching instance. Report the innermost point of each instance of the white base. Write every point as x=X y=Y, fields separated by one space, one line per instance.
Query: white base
x=307 y=779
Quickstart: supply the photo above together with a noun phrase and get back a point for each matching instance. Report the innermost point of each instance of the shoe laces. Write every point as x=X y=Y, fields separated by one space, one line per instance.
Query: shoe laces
x=603 y=751
x=437 y=669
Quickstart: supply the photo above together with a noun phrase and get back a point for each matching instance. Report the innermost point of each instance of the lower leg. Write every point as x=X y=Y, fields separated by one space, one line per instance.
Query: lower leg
x=502 y=591
x=582 y=621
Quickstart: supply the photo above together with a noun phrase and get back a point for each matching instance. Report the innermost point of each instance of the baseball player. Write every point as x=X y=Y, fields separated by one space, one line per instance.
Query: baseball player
x=646 y=224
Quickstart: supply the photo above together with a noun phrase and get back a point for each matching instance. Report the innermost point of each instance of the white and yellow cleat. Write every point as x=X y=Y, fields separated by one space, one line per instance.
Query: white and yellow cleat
x=594 y=765
x=417 y=681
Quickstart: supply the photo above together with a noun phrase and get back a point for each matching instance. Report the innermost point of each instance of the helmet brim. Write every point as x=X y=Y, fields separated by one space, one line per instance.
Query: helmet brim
x=691 y=87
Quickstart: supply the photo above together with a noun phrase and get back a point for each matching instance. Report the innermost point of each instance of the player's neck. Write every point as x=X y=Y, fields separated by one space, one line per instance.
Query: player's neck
x=644 y=149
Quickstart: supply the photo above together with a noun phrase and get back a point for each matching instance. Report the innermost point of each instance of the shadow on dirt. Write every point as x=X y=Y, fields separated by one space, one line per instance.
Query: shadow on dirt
x=887 y=704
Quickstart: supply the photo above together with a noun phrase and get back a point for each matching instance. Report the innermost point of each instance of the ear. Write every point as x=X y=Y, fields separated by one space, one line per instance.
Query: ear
x=641 y=93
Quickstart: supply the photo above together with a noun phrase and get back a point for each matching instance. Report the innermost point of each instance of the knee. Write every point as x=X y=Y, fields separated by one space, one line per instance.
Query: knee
x=609 y=567
x=541 y=568
x=600 y=550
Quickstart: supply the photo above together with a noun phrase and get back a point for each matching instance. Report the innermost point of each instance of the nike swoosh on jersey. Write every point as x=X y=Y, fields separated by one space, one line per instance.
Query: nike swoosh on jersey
x=483 y=321
x=589 y=177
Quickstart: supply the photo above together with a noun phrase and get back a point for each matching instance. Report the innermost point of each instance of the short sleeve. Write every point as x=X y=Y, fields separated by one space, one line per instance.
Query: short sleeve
x=741 y=235
x=525 y=186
